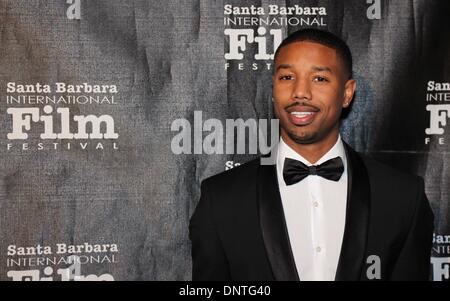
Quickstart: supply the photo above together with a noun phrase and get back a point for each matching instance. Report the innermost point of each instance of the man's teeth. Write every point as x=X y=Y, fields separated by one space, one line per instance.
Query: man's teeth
x=302 y=113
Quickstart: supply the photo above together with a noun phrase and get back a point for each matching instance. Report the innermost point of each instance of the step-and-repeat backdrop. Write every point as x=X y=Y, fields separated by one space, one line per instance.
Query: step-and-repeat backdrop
x=113 y=112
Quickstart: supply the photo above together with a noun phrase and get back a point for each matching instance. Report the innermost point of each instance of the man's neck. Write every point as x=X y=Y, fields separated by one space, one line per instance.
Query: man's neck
x=312 y=151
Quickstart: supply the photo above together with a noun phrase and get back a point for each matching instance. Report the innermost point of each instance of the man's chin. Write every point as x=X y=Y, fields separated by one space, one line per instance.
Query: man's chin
x=303 y=137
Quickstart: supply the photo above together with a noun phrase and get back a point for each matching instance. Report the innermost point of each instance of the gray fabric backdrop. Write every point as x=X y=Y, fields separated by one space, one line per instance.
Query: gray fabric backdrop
x=167 y=60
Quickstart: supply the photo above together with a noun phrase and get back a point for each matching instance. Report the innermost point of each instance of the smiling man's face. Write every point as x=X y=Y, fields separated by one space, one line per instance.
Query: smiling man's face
x=310 y=88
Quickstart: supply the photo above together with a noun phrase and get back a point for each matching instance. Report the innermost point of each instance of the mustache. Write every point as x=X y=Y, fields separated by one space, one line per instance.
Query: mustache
x=301 y=103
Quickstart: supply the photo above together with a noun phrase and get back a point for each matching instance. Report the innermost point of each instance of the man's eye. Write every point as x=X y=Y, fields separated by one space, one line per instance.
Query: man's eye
x=320 y=79
x=286 y=77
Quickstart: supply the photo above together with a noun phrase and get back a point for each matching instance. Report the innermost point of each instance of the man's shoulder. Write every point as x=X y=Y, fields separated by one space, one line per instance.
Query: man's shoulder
x=389 y=176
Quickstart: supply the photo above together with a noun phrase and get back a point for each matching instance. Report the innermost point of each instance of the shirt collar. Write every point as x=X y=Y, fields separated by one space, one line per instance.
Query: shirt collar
x=285 y=151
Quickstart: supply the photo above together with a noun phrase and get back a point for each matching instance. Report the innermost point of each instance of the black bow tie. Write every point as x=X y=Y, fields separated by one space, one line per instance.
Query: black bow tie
x=294 y=171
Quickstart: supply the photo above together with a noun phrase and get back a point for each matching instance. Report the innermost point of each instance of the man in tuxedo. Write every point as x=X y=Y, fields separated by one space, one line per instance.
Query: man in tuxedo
x=322 y=211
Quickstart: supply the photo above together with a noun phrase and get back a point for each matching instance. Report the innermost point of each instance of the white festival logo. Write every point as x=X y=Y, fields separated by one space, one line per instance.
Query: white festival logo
x=72 y=273
x=239 y=38
x=22 y=117
x=438 y=119
x=441 y=268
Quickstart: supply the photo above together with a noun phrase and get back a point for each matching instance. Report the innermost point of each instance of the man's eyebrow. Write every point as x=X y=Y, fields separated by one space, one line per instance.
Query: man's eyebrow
x=321 y=68
x=315 y=68
x=284 y=66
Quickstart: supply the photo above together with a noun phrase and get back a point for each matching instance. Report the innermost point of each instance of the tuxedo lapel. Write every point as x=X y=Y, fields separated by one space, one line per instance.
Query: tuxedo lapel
x=273 y=225
x=274 y=230
x=353 y=250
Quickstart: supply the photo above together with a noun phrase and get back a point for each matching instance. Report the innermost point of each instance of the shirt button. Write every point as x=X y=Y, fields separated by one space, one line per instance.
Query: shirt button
x=316 y=204
x=318 y=249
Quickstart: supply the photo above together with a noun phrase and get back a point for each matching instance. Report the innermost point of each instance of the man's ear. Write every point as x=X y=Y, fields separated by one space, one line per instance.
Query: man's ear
x=349 y=91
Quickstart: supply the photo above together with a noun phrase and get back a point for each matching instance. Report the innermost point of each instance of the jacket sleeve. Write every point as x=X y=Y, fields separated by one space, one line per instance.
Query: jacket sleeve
x=413 y=263
x=208 y=257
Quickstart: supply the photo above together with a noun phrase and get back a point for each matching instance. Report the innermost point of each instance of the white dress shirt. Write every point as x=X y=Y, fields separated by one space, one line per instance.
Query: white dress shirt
x=315 y=210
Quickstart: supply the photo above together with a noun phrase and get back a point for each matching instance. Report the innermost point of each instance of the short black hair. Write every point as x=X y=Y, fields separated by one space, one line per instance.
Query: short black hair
x=325 y=38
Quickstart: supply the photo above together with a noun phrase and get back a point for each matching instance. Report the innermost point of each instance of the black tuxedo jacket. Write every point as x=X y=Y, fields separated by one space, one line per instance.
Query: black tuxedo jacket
x=238 y=230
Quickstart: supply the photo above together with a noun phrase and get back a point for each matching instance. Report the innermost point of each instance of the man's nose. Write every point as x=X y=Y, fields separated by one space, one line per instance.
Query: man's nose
x=302 y=89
